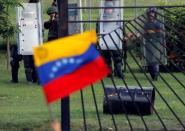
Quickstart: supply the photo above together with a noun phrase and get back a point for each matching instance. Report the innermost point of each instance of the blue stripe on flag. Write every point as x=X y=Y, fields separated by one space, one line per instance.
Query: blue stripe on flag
x=61 y=67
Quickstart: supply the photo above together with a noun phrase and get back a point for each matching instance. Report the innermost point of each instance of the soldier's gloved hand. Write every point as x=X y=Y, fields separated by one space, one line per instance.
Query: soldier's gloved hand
x=52 y=17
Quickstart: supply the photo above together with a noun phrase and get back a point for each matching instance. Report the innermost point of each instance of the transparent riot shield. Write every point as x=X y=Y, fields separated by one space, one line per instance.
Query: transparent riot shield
x=30 y=25
x=74 y=27
x=106 y=28
x=154 y=49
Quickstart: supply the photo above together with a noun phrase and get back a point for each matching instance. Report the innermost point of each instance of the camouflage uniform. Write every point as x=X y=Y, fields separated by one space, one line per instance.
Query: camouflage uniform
x=52 y=25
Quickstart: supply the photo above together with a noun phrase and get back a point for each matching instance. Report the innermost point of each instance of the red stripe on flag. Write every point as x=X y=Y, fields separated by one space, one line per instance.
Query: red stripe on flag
x=84 y=76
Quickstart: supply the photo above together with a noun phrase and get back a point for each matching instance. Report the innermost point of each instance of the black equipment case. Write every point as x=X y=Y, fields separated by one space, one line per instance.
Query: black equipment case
x=131 y=100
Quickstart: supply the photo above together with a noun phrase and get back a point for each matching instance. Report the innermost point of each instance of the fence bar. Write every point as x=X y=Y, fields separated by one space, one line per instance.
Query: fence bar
x=95 y=21
x=63 y=31
x=126 y=7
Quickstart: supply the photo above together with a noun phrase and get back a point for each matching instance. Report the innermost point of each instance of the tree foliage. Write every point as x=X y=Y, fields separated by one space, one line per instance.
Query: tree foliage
x=175 y=20
x=175 y=28
x=7 y=28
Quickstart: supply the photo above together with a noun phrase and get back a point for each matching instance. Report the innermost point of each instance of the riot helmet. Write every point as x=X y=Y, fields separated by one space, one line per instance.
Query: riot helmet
x=151 y=9
x=151 y=12
x=110 y=4
x=54 y=3
x=52 y=10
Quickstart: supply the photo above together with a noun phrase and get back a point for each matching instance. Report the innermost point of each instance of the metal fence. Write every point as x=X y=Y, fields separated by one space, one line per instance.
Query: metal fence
x=135 y=101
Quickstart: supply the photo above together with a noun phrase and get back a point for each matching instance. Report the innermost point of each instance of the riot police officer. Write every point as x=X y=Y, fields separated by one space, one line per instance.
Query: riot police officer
x=30 y=71
x=15 y=58
x=112 y=56
x=153 y=37
x=52 y=24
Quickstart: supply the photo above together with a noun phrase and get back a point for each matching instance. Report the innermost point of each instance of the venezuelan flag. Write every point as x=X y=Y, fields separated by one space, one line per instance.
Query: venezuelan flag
x=69 y=64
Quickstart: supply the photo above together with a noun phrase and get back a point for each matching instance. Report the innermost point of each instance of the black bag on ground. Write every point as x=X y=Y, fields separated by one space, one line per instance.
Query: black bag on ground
x=130 y=101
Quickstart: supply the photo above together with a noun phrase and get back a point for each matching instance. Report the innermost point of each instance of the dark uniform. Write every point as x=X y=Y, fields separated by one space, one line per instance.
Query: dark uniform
x=115 y=56
x=153 y=38
x=15 y=58
x=30 y=71
x=52 y=24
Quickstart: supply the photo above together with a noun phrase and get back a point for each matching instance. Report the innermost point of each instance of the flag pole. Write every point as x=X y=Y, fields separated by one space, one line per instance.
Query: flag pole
x=51 y=117
x=55 y=125
x=63 y=31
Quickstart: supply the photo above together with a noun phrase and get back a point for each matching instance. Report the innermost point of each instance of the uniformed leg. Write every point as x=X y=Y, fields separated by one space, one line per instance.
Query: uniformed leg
x=117 y=58
x=154 y=71
x=107 y=56
x=34 y=75
x=150 y=70
x=14 y=70
x=34 y=72
x=14 y=63
x=28 y=69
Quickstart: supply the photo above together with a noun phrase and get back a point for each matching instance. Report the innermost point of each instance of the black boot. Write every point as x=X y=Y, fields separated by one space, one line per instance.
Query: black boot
x=155 y=77
x=34 y=75
x=107 y=56
x=14 y=76
x=150 y=70
x=14 y=71
x=14 y=63
x=117 y=64
x=154 y=71
x=118 y=71
x=28 y=73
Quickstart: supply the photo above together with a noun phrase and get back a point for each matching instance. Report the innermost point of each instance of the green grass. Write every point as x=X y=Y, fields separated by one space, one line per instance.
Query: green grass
x=22 y=106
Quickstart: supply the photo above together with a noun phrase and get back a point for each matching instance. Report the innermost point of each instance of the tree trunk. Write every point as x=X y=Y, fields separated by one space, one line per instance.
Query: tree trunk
x=8 y=53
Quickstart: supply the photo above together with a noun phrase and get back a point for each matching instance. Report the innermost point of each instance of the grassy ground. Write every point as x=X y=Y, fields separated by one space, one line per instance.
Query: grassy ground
x=22 y=106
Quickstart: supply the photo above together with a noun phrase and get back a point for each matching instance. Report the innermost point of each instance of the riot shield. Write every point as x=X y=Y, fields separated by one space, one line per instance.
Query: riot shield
x=154 y=50
x=106 y=28
x=30 y=25
x=74 y=27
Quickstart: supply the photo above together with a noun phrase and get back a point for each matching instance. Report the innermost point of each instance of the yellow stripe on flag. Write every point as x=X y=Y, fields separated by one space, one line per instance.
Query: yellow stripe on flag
x=64 y=47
